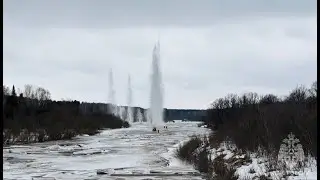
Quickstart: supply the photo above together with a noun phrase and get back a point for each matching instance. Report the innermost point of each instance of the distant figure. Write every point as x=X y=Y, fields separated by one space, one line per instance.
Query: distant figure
x=154 y=129
x=158 y=130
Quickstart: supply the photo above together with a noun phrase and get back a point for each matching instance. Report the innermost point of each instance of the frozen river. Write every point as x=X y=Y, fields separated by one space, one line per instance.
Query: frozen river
x=134 y=150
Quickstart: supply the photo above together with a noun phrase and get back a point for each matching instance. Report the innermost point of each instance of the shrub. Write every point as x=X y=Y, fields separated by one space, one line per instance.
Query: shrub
x=203 y=163
x=222 y=171
x=185 y=152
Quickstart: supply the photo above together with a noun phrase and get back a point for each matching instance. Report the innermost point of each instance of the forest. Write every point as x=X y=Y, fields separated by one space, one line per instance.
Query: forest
x=252 y=121
x=31 y=116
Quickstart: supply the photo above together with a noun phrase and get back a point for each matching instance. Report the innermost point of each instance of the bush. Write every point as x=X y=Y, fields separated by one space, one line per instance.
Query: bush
x=222 y=171
x=186 y=151
x=203 y=163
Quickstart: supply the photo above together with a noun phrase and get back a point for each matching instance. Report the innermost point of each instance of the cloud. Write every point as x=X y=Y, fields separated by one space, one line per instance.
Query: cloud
x=200 y=61
x=123 y=13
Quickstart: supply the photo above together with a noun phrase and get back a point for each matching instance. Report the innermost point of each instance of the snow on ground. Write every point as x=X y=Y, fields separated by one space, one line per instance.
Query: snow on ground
x=257 y=169
x=135 y=149
x=258 y=166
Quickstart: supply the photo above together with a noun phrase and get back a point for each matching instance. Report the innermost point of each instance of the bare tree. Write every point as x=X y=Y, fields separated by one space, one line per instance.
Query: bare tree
x=269 y=99
x=19 y=91
x=253 y=98
x=299 y=94
x=6 y=90
x=313 y=89
x=28 y=91
x=42 y=94
x=243 y=100
x=233 y=98
x=218 y=104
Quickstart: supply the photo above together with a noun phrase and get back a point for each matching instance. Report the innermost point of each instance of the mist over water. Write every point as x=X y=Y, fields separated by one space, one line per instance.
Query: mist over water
x=156 y=94
x=147 y=115
x=139 y=116
x=122 y=112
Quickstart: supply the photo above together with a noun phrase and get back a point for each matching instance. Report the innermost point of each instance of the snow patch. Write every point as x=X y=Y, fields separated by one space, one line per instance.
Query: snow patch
x=258 y=166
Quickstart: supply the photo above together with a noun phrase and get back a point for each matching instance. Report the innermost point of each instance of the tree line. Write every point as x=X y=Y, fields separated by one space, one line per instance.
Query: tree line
x=254 y=122
x=33 y=112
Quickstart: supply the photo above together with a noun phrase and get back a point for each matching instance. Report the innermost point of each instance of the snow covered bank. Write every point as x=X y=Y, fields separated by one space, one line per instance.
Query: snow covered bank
x=228 y=162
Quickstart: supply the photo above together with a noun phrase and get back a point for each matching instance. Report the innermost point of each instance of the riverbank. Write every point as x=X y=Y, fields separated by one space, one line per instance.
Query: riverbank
x=261 y=131
x=40 y=135
x=227 y=162
x=32 y=117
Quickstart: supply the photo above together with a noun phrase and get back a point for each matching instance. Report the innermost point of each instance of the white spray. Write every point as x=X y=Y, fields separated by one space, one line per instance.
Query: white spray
x=111 y=98
x=139 y=115
x=129 y=102
x=156 y=94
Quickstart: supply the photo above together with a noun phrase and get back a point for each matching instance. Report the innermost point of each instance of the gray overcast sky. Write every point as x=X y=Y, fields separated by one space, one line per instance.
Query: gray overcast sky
x=209 y=48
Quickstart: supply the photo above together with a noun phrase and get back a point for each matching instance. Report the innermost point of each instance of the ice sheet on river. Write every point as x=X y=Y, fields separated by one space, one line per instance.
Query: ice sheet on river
x=136 y=150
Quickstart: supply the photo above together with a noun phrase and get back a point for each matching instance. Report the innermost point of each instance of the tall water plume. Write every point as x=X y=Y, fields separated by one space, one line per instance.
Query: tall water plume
x=129 y=102
x=111 y=97
x=156 y=94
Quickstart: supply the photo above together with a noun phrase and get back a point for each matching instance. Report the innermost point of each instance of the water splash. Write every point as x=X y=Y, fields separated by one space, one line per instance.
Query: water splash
x=139 y=116
x=122 y=112
x=147 y=115
x=156 y=94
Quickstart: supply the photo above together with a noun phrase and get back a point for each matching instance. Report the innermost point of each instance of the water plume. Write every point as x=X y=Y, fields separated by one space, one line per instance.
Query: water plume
x=111 y=97
x=156 y=93
x=129 y=102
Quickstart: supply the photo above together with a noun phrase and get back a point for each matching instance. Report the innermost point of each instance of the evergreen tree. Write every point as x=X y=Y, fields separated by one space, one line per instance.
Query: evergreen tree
x=13 y=92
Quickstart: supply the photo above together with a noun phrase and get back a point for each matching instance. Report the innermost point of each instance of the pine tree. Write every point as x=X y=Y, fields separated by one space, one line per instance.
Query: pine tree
x=13 y=92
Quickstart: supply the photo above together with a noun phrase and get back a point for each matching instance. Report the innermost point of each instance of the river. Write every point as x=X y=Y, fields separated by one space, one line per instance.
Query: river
x=135 y=150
